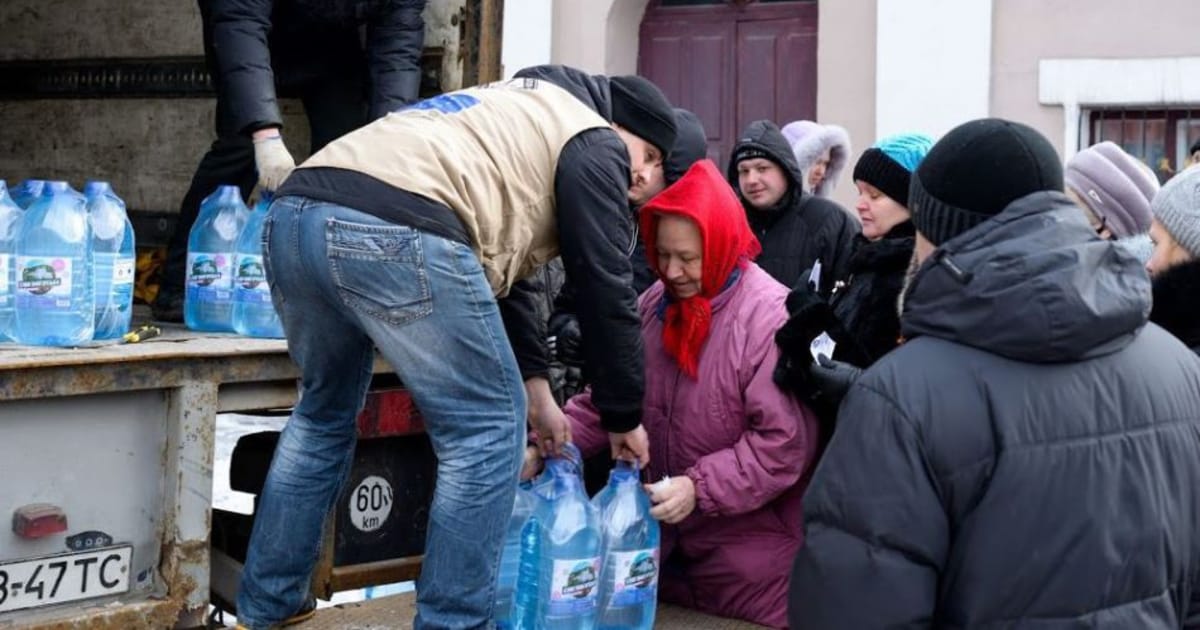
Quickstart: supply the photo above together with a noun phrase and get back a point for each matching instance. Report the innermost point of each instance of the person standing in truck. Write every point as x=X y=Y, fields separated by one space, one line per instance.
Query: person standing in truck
x=417 y=235
x=349 y=61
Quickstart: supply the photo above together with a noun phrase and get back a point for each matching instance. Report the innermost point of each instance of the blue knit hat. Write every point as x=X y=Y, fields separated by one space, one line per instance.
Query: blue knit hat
x=889 y=164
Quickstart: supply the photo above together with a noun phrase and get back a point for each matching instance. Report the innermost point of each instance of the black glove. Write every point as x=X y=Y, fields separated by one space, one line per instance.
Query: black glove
x=832 y=379
x=568 y=340
x=809 y=317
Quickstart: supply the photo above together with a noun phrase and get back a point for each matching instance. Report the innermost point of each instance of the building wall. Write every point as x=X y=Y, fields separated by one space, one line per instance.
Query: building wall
x=527 y=38
x=932 y=63
x=600 y=36
x=846 y=77
x=1028 y=31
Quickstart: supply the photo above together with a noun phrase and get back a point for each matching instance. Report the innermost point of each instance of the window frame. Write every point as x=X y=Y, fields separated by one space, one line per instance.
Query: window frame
x=1175 y=149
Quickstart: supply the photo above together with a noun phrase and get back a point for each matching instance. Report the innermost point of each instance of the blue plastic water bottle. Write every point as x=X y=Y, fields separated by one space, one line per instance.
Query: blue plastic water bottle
x=113 y=260
x=208 y=300
x=253 y=313
x=54 y=300
x=569 y=553
x=510 y=559
x=10 y=217
x=27 y=192
x=630 y=540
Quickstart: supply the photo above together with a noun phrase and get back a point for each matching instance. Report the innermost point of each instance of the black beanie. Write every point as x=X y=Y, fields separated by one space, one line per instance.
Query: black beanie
x=639 y=106
x=879 y=170
x=975 y=171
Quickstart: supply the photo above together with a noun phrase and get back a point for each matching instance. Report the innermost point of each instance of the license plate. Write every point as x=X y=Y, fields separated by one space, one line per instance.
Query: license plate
x=67 y=577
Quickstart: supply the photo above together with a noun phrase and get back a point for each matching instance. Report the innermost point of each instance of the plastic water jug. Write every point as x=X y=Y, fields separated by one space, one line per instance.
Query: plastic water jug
x=27 y=192
x=54 y=300
x=510 y=560
x=630 y=552
x=113 y=260
x=208 y=299
x=10 y=217
x=253 y=312
x=567 y=533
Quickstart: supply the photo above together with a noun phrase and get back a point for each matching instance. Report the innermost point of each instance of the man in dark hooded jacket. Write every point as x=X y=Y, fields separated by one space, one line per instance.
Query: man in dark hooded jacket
x=310 y=49
x=691 y=145
x=796 y=229
x=1031 y=456
x=417 y=235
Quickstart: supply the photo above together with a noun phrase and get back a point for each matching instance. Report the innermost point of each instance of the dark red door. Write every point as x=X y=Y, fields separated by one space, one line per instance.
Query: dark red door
x=733 y=63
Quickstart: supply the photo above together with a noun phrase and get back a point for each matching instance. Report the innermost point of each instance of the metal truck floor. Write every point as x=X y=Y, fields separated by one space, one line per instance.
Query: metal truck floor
x=396 y=613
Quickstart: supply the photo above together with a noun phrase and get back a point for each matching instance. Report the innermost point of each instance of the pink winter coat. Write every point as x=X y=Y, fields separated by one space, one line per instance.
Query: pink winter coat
x=748 y=447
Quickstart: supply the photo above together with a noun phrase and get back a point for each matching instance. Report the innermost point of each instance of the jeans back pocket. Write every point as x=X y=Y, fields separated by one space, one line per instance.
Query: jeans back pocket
x=379 y=270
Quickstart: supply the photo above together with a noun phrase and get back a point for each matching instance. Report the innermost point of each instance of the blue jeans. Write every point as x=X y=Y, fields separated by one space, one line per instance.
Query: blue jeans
x=345 y=283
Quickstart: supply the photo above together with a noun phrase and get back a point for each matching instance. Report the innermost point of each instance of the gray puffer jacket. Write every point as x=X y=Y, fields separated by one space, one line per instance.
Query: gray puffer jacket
x=1030 y=458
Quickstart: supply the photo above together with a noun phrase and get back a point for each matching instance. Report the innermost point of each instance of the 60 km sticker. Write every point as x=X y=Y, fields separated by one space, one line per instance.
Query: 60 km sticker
x=371 y=503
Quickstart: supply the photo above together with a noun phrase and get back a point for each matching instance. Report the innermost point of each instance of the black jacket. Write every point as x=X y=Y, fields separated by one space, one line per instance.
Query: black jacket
x=596 y=236
x=865 y=303
x=258 y=43
x=1177 y=303
x=801 y=228
x=1030 y=458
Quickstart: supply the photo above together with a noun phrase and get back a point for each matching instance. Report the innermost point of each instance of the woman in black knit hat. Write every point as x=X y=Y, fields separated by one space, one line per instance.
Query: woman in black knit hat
x=860 y=320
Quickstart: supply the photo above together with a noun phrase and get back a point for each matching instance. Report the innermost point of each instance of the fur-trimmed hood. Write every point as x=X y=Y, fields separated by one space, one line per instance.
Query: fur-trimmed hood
x=809 y=140
x=1177 y=302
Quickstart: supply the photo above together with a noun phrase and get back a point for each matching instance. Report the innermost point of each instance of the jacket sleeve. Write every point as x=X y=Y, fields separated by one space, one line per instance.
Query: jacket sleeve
x=1192 y=621
x=778 y=446
x=395 y=40
x=586 y=432
x=595 y=234
x=877 y=533
x=526 y=328
x=245 y=80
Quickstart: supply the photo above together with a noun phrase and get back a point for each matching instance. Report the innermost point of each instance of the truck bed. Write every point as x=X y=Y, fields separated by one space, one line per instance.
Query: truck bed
x=396 y=612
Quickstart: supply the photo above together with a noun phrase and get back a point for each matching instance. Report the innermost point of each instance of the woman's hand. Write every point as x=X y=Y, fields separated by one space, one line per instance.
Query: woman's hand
x=533 y=463
x=675 y=502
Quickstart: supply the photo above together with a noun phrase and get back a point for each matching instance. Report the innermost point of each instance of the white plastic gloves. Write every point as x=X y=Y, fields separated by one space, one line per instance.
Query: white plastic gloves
x=273 y=161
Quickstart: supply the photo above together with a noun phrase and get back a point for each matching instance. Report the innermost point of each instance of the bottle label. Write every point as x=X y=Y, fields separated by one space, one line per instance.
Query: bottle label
x=44 y=282
x=123 y=268
x=573 y=586
x=250 y=280
x=635 y=577
x=209 y=277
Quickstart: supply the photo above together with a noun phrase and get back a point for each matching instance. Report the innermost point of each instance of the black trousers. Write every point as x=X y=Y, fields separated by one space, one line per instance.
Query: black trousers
x=335 y=100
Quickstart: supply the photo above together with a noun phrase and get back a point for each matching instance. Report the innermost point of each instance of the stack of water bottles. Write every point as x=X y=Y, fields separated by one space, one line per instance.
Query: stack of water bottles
x=226 y=282
x=66 y=264
x=571 y=563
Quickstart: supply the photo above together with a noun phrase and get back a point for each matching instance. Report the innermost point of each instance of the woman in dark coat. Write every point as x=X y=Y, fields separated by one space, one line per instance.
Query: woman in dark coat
x=860 y=323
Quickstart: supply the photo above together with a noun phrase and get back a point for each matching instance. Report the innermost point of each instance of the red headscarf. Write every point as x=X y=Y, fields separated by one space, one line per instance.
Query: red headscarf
x=727 y=243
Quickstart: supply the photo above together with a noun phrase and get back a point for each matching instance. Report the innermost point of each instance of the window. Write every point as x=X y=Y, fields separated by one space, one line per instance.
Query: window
x=1158 y=137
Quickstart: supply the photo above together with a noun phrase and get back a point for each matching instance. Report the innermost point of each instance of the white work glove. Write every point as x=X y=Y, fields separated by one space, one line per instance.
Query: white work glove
x=273 y=162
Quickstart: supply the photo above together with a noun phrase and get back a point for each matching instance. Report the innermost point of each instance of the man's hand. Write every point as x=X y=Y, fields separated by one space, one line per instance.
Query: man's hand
x=633 y=446
x=675 y=502
x=546 y=417
x=272 y=159
x=532 y=465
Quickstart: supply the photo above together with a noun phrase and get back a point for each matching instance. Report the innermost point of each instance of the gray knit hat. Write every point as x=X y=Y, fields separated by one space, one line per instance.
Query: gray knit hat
x=1177 y=207
x=1114 y=186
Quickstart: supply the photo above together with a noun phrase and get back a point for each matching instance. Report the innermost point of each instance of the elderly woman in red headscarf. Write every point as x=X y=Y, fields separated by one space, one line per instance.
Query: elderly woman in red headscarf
x=737 y=450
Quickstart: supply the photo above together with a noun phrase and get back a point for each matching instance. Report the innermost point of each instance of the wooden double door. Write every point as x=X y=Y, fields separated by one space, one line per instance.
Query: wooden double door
x=733 y=62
